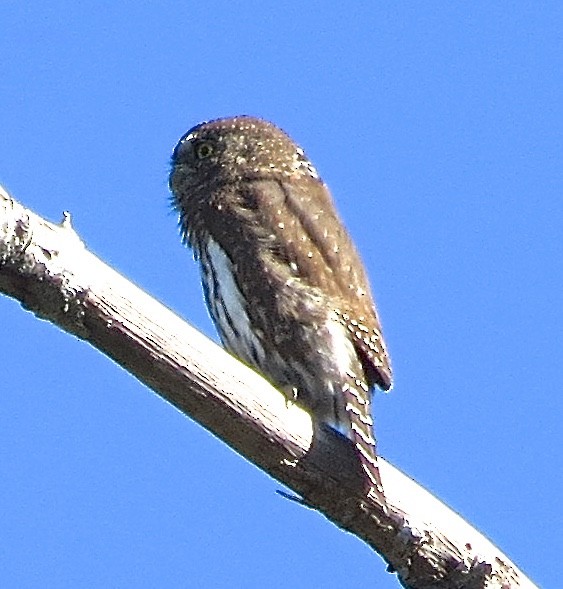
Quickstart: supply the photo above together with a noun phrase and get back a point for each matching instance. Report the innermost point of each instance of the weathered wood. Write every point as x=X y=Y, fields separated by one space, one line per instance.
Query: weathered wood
x=49 y=270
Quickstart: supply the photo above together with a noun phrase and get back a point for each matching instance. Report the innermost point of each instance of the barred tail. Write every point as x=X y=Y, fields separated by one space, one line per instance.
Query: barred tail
x=357 y=399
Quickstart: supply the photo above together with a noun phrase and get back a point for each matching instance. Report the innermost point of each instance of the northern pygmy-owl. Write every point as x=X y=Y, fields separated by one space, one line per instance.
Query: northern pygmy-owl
x=282 y=279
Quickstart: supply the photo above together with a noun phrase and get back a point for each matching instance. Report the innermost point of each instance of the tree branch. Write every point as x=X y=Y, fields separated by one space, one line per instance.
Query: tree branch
x=48 y=269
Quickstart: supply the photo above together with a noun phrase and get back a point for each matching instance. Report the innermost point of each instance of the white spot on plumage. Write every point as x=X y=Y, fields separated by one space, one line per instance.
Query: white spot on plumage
x=342 y=347
x=227 y=305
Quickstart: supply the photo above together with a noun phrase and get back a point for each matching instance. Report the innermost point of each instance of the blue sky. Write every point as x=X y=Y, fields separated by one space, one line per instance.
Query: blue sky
x=438 y=128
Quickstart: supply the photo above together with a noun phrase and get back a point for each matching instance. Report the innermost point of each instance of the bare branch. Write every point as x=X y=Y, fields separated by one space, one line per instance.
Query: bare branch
x=48 y=269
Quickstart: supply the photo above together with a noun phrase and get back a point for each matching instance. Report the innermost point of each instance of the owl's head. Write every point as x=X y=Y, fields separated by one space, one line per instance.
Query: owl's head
x=235 y=149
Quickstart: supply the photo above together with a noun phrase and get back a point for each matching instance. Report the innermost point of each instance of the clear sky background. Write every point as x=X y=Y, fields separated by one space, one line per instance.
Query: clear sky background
x=437 y=126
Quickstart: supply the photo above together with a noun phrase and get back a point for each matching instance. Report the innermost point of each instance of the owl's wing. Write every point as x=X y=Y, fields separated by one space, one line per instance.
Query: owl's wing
x=298 y=224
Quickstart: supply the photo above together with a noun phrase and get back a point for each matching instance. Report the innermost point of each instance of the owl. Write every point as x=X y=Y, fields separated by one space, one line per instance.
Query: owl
x=282 y=279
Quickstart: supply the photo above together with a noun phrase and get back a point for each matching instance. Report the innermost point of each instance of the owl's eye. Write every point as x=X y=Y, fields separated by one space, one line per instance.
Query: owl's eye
x=203 y=150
